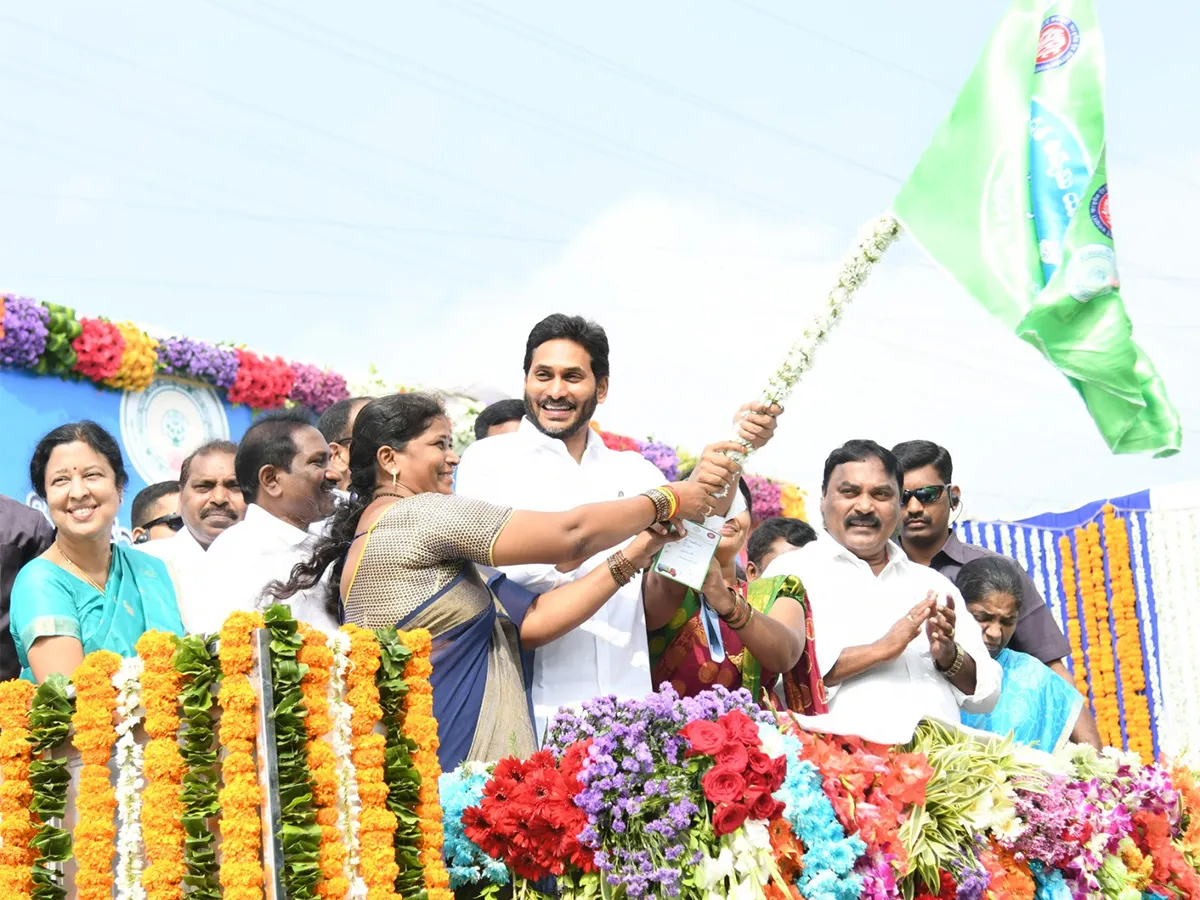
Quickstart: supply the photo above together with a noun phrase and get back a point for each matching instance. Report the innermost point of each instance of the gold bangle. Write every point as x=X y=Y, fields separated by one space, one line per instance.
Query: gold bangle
x=959 y=658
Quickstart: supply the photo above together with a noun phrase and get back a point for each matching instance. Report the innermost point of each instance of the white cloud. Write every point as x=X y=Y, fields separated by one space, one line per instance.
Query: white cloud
x=699 y=306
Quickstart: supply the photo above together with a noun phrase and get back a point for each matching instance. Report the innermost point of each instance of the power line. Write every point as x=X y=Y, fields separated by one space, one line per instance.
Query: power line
x=409 y=70
x=513 y=25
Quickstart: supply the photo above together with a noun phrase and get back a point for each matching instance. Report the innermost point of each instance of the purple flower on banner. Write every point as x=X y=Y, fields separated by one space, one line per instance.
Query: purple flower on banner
x=25 y=332
x=664 y=457
x=306 y=389
x=764 y=496
x=190 y=358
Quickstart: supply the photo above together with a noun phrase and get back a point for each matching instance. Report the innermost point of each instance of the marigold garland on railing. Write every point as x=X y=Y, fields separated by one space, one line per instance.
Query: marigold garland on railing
x=241 y=872
x=377 y=824
x=1100 y=658
x=162 y=804
x=49 y=725
x=300 y=834
x=399 y=770
x=1074 y=627
x=199 y=672
x=16 y=792
x=420 y=728
x=96 y=800
x=1127 y=637
x=316 y=659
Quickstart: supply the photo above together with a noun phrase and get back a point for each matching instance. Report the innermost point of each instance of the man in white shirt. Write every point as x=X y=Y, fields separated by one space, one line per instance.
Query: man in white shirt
x=283 y=467
x=210 y=500
x=893 y=639
x=337 y=427
x=554 y=461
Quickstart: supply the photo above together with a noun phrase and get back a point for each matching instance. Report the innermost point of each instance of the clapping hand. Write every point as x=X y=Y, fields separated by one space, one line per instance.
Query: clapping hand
x=940 y=629
x=906 y=628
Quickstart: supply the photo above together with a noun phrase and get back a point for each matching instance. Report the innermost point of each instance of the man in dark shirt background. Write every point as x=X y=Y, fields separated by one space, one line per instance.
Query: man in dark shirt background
x=24 y=535
x=929 y=500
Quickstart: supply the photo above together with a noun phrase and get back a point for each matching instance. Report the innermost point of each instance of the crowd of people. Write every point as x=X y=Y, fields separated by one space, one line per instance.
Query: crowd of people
x=530 y=563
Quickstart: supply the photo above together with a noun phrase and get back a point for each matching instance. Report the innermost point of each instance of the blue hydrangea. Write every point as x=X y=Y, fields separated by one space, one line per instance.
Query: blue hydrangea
x=466 y=862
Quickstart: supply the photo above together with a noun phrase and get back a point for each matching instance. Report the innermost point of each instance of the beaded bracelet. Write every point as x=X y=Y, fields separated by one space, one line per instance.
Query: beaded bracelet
x=622 y=570
x=664 y=502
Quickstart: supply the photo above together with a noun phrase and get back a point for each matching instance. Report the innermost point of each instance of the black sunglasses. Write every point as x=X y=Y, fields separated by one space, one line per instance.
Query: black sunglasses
x=931 y=493
x=174 y=521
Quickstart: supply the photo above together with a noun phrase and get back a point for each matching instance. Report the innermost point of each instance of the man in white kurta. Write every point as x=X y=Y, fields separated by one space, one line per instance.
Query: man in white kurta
x=283 y=466
x=893 y=639
x=555 y=461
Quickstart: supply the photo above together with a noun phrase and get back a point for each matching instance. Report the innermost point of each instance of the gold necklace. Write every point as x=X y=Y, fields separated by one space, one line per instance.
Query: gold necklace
x=82 y=574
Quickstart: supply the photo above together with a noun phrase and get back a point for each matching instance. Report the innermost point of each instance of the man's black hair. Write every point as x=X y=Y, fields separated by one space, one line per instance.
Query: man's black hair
x=268 y=442
x=497 y=414
x=147 y=498
x=861 y=451
x=796 y=532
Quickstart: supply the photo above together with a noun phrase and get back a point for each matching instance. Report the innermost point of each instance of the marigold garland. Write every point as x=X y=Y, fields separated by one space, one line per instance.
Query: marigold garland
x=16 y=792
x=95 y=736
x=377 y=824
x=1128 y=638
x=421 y=728
x=315 y=654
x=164 y=768
x=1074 y=628
x=139 y=360
x=241 y=873
x=1100 y=651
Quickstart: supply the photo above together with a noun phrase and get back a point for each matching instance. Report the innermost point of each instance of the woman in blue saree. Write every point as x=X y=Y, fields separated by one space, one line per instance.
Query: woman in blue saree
x=1037 y=706
x=85 y=593
x=405 y=553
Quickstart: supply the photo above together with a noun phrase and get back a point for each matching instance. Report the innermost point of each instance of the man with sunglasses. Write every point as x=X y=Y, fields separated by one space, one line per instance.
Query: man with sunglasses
x=336 y=426
x=928 y=502
x=156 y=512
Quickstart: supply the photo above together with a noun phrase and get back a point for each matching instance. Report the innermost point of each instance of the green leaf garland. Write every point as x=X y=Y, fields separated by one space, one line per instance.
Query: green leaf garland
x=300 y=834
x=49 y=723
x=201 y=670
x=399 y=773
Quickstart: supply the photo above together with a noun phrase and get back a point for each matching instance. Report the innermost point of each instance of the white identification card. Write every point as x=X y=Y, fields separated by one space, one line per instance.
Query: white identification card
x=687 y=559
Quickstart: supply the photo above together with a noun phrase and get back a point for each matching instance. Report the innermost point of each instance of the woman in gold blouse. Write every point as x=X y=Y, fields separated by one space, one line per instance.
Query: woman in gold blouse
x=404 y=553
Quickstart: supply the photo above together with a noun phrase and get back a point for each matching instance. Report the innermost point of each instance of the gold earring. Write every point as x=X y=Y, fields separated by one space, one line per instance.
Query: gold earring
x=395 y=475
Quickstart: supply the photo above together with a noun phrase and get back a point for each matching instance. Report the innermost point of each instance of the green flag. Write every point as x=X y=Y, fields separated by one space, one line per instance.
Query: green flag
x=1012 y=199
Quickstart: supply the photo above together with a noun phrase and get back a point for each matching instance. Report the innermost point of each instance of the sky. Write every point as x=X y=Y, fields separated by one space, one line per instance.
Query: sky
x=412 y=185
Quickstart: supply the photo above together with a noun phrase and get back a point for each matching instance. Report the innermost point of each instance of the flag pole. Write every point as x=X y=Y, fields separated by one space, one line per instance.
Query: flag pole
x=873 y=241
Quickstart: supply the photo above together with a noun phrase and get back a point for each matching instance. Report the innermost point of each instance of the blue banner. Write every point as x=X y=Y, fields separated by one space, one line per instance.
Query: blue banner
x=157 y=428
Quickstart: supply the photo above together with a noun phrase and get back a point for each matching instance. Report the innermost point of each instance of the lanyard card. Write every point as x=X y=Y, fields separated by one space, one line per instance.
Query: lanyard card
x=712 y=631
x=687 y=560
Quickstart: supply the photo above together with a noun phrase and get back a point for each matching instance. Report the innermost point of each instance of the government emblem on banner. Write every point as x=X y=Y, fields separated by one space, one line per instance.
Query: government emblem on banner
x=1058 y=43
x=161 y=425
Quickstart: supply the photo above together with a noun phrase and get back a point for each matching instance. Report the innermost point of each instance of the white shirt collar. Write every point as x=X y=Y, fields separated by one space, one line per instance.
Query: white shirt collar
x=259 y=520
x=833 y=550
x=536 y=437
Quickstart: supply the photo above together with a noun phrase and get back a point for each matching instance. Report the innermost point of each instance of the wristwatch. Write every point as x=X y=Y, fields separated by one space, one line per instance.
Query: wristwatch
x=959 y=659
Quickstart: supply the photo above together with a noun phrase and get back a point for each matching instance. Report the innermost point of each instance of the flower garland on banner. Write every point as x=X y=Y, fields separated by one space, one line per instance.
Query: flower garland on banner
x=1128 y=638
x=342 y=740
x=128 y=682
x=317 y=661
x=199 y=673
x=399 y=771
x=1075 y=631
x=94 y=738
x=16 y=791
x=98 y=349
x=62 y=330
x=162 y=806
x=139 y=360
x=263 y=382
x=205 y=362
x=240 y=797
x=377 y=824
x=299 y=832
x=1100 y=651
x=26 y=329
x=49 y=724
x=420 y=728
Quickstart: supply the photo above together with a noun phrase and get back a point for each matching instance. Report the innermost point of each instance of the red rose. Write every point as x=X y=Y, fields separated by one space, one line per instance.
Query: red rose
x=761 y=763
x=728 y=818
x=778 y=772
x=763 y=806
x=722 y=785
x=756 y=782
x=733 y=756
x=704 y=738
x=741 y=728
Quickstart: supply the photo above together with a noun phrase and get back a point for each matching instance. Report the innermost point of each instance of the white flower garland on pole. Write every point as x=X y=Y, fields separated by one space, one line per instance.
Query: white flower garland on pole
x=873 y=242
x=348 y=804
x=130 y=852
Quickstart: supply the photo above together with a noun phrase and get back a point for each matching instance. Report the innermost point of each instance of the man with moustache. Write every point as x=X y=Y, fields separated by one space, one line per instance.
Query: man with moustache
x=554 y=461
x=284 y=468
x=896 y=644
x=210 y=500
